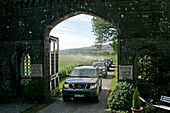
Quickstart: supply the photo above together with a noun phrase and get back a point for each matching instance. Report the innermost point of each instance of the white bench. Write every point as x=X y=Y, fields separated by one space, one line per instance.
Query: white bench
x=165 y=99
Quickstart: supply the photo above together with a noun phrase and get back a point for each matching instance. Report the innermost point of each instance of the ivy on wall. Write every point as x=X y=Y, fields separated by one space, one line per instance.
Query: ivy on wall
x=153 y=73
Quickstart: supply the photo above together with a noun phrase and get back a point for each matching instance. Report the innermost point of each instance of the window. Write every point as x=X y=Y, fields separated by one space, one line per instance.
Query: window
x=25 y=69
x=27 y=65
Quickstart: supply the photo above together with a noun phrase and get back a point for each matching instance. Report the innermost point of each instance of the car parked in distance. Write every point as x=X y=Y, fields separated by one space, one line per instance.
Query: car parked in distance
x=83 y=82
x=111 y=60
x=102 y=68
x=106 y=61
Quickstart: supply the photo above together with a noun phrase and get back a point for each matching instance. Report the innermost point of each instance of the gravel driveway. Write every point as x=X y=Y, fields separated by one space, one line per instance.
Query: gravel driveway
x=83 y=106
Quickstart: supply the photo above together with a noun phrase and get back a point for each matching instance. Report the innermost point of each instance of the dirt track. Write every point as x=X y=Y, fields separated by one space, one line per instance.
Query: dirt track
x=83 y=106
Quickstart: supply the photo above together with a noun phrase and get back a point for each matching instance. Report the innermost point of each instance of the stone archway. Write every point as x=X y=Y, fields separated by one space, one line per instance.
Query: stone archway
x=57 y=21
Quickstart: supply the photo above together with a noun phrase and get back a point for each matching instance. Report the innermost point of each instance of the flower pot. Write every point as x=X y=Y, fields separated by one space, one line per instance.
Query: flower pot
x=137 y=110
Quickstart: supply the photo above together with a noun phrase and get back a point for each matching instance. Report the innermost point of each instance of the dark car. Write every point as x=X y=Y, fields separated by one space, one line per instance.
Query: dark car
x=102 y=67
x=106 y=61
x=83 y=82
x=110 y=61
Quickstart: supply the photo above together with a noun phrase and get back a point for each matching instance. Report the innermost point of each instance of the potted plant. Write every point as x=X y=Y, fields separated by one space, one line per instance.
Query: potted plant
x=136 y=108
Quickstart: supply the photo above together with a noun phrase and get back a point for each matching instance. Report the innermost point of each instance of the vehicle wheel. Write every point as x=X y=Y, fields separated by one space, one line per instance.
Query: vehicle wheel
x=66 y=98
x=105 y=76
x=96 y=99
x=100 y=89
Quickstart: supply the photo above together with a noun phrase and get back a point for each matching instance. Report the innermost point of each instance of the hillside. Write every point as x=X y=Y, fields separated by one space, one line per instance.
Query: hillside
x=106 y=50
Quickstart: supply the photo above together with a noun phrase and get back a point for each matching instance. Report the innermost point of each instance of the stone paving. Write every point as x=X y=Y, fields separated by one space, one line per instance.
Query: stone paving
x=14 y=107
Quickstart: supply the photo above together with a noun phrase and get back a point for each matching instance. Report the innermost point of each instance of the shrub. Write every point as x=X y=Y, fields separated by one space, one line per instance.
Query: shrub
x=136 y=102
x=6 y=96
x=34 y=92
x=121 y=97
x=65 y=71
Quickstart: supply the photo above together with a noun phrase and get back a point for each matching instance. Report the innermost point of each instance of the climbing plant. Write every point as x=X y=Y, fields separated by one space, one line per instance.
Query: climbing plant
x=153 y=73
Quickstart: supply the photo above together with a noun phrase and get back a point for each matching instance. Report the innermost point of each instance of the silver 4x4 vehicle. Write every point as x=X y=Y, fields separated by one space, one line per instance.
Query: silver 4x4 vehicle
x=83 y=82
x=102 y=68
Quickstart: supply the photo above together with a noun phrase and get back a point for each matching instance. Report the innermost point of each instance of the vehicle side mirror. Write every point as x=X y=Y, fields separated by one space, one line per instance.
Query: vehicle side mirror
x=67 y=75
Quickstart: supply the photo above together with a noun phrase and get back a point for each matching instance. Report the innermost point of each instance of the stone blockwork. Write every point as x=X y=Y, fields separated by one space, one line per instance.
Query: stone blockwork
x=26 y=24
x=130 y=47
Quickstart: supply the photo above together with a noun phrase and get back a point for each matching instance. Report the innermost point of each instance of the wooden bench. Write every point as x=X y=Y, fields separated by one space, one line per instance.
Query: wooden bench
x=164 y=99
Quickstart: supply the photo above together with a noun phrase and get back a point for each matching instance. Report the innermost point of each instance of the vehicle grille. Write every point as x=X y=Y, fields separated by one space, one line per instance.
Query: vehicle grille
x=79 y=86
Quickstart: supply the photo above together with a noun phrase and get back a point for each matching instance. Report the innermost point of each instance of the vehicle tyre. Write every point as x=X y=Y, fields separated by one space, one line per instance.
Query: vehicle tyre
x=66 y=98
x=100 y=89
x=96 y=99
x=105 y=76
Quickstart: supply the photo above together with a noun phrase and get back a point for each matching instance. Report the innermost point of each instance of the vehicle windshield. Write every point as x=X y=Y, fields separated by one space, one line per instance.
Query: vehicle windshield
x=100 y=64
x=83 y=73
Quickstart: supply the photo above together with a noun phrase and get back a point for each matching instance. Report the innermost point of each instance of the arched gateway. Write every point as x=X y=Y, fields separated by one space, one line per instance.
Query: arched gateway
x=25 y=27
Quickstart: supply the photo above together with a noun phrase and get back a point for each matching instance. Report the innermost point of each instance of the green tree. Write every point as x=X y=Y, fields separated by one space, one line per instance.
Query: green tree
x=105 y=33
x=136 y=101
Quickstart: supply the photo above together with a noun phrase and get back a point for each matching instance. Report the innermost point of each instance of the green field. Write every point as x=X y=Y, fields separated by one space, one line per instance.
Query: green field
x=68 y=60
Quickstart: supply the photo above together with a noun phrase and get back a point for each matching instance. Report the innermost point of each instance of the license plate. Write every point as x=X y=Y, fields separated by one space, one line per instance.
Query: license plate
x=78 y=95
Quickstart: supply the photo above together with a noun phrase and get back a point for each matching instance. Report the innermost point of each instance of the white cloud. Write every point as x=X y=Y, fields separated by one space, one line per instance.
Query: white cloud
x=63 y=26
x=71 y=34
x=67 y=41
x=68 y=26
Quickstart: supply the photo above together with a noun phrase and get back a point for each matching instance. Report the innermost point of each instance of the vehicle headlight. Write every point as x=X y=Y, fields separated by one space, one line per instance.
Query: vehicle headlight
x=66 y=86
x=103 y=70
x=93 y=86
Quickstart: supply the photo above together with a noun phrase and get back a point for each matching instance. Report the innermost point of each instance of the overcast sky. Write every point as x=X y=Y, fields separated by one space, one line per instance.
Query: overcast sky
x=75 y=32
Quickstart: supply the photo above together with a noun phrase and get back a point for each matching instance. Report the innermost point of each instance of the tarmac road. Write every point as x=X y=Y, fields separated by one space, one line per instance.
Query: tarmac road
x=81 y=105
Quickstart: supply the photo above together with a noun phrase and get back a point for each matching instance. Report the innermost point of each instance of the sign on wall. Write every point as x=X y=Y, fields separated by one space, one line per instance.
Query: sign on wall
x=36 y=70
x=125 y=72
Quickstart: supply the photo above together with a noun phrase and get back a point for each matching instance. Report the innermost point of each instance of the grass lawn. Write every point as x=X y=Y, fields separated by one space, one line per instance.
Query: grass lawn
x=68 y=60
x=114 y=80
